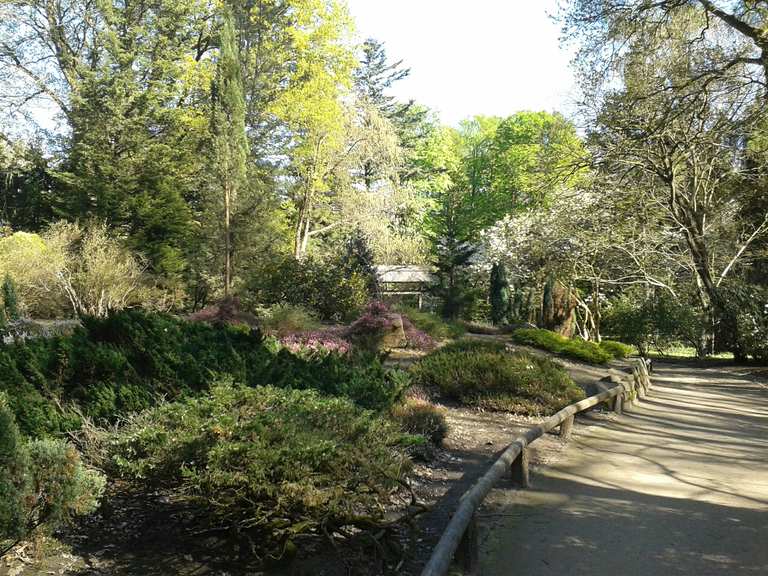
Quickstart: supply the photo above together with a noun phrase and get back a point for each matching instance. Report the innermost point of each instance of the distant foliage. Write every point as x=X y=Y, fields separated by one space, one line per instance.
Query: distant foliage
x=655 y=322
x=274 y=464
x=486 y=375
x=43 y=483
x=326 y=287
x=554 y=342
x=744 y=327
x=285 y=319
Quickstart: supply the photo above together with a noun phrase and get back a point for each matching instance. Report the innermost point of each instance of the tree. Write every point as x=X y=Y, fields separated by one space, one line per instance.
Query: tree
x=500 y=297
x=311 y=108
x=10 y=299
x=229 y=142
x=676 y=107
x=729 y=35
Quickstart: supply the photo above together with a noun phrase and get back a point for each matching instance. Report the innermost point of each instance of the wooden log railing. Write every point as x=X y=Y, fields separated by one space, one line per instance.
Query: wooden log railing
x=459 y=540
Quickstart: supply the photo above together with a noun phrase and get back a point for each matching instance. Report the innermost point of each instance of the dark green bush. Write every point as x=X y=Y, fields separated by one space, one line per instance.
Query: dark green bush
x=554 y=342
x=486 y=375
x=274 y=463
x=423 y=418
x=124 y=363
x=43 y=483
x=330 y=287
x=616 y=349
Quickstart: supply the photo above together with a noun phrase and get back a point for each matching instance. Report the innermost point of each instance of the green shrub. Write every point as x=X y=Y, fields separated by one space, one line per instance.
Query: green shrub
x=274 y=463
x=285 y=319
x=124 y=363
x=43 y=483
x=553 y=342
x=486 y=375
x=616 y=349
x=433 y=324
x=10 y=299
x=331 y=287
x=422 y=418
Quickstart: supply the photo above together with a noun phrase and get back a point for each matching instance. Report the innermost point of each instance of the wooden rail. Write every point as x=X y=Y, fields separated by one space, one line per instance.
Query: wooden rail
x=459 y=539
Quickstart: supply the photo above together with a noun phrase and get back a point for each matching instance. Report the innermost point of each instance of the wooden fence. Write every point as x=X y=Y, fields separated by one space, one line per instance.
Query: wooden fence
x=459 y=540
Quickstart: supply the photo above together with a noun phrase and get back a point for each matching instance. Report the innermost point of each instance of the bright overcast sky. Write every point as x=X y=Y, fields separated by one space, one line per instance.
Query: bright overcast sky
x=490 y=57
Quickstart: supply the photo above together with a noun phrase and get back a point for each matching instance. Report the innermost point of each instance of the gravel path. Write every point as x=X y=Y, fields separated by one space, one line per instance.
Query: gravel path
x=679 y=486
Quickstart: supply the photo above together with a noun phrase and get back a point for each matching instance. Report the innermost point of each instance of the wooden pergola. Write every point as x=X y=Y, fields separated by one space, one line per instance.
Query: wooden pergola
x=405 y=280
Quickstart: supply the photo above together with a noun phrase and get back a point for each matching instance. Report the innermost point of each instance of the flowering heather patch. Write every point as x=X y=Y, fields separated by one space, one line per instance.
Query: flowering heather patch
x=330 y=340
x=417 y=338
x=379 y=319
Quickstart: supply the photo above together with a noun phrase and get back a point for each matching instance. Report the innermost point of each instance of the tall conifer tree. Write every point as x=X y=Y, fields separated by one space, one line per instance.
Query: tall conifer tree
x=230 y=144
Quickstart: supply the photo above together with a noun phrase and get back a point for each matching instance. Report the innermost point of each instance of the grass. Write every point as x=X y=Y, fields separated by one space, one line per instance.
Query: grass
x=572 y=348
x=679 y=351
x=437 y=327
x=486 y=375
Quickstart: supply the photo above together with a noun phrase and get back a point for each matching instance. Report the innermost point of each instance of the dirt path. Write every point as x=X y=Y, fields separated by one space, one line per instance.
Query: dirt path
x=679 y=486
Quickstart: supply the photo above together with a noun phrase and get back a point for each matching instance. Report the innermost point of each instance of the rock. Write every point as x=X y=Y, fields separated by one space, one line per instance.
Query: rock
x=394 y=337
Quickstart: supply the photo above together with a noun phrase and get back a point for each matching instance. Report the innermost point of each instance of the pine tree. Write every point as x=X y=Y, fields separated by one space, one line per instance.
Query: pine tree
x=230 y=143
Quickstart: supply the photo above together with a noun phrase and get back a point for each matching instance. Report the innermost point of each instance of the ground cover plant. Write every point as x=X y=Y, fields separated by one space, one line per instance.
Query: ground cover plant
x=126 y=362
x=432 y=324
x=487 y=375
x=271 y=464
x=570 y=347
x=616 y=349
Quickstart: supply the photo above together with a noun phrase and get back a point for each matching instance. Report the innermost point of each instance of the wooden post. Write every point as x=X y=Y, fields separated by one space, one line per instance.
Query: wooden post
x=520 y=472
x=618 y=403
x=467 y=554
x=638 y=383
x=566 y=428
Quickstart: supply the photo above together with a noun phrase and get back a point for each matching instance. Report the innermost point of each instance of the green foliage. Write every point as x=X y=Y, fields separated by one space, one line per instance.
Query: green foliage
x=43 y=483
x=744 y=325
x=125 y=362
x=553 y=342
x=486 y=375
x=432 y=324
x=658 y=321
x=616 y=349
x=500 y=301
x=285 y=319
x=421 y=418
x=324 y=286
x=273 y=463
x=10 y=299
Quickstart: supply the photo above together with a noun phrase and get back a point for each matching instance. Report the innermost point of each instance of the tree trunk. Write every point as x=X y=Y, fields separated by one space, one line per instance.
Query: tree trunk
x=227 y=240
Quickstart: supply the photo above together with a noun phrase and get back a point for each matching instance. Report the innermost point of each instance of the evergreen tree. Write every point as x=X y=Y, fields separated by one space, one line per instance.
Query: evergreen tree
x=358 y=259
x=453 y=254
x=10 y=299
x=229 y=141
x=500 y=301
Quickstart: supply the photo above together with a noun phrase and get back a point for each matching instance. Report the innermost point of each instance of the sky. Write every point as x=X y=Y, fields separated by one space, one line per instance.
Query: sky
x=489 y=57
